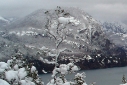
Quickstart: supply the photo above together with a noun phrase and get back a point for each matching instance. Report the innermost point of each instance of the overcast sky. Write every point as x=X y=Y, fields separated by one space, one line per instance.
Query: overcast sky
x=104 y=10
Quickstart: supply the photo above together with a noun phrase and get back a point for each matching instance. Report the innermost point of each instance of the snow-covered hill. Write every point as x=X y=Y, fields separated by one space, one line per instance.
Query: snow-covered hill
x=3 y=21
x=114 y=27
x=116 y=32
x=75 y=34
x=81 y=33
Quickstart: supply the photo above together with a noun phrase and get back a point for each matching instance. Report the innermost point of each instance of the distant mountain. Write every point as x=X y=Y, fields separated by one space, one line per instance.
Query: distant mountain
x=78 y=37
x=116 y=33
x=3 y=21
x=114 y=27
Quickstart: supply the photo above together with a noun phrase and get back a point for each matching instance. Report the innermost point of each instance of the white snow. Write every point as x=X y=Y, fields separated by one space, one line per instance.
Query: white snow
x=63 y=69
x=26 y=82
x=70 y=65
x=81 y=75
x=3 y=19
x=51 y=82
x=84 y=84
x=34 y=29
x=22 y=73
x=67 y=83
x=16 y=67
x=84 y=17
x=71 y=42
x=22 y=33
x=55 y=71
x=43 y=48
x=51 y=54
x=109 y=61
x=124 y=84
x=44 y=71
x=64 y=20
x=124 y=35
x=3 y=66
x=33 y=69
x=30 y=46
x=88 y=57
x=75 y=68
x=59 y=81
x=48 y=62
x=11 y=75
x=74 y=21
x=93 y=20
x=41 y=59
x=3 y=82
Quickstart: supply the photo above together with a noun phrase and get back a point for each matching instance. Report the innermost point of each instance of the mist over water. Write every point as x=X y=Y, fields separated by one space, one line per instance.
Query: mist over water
x=109 y=76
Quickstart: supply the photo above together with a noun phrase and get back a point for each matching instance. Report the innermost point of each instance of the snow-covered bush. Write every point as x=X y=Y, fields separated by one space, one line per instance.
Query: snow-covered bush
x=124 y=81
x=59 y=75
x=17 y=71
x=56 y=28
x=3 y=82
x=79 y=78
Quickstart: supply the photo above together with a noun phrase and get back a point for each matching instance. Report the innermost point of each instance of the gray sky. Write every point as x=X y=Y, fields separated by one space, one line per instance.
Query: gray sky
x=104 y=10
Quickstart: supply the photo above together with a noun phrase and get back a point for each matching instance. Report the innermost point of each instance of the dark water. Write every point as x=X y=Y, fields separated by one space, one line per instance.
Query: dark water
x=109 y=76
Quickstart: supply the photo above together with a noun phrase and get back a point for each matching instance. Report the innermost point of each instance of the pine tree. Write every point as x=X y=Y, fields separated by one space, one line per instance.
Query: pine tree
x=124 y=79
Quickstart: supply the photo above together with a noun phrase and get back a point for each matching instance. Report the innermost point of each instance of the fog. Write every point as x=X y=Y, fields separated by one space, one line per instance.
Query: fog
x=103 y=10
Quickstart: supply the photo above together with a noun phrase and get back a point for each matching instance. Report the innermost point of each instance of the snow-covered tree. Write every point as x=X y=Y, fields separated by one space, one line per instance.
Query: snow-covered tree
x=17 y=71
x=57 y=26
x=124 y=79
x=59 y=75
x=79 y=78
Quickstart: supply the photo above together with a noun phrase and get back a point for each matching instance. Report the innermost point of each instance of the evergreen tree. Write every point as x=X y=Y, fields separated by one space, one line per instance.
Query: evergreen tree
x=124 y=79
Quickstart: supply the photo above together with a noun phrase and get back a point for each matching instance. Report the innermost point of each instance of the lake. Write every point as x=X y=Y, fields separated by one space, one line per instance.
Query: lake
x=109 y=76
